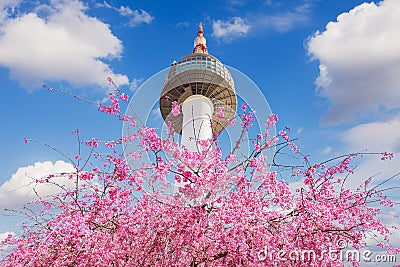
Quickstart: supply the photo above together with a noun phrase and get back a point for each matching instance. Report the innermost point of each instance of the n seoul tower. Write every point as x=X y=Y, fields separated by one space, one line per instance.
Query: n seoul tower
x=202 y=86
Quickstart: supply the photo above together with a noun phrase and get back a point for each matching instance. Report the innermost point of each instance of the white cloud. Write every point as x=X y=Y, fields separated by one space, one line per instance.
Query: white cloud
x=136 y=17
x=259 y=22
x=125 y=11
x=327 y=150
x=183 y=24
x=19 y=188
x=139 y=17
x=7 y=7
x=5 y=4
x=135 y=84
x=286 y=21
x=375 y=136
x=105 y=4
x=359 y=61
x=5 y=235
x=104 y=100
x=65 y=45
x=231 y=28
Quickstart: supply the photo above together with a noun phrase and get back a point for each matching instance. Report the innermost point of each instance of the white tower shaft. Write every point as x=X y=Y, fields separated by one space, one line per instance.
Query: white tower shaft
x=197 y=113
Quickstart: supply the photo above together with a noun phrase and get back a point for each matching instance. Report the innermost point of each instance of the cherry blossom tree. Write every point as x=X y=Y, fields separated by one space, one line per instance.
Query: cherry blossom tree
x=230 y=211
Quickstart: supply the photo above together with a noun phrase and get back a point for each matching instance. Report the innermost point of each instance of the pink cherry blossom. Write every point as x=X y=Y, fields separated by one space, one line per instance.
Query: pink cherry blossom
x=123 y=97
x=272 y=119
x=220 y=113
x=175 y=108
x=228 y=210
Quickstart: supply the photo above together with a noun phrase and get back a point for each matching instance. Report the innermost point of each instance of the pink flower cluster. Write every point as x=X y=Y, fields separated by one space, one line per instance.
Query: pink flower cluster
x=94 y=142
x=175 y=109
x=220 y=113
x=226 y=210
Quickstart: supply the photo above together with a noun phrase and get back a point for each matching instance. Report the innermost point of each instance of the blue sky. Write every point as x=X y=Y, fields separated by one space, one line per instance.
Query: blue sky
x=329 y=69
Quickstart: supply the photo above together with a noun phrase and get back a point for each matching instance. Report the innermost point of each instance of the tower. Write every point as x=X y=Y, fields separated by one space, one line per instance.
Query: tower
x=202 y=86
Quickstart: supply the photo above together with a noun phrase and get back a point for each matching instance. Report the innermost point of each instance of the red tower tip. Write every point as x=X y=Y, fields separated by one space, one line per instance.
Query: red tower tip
x=200 y=41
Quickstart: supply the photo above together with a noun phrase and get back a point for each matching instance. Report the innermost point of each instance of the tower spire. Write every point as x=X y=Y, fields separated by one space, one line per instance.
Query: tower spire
x=200 y=42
